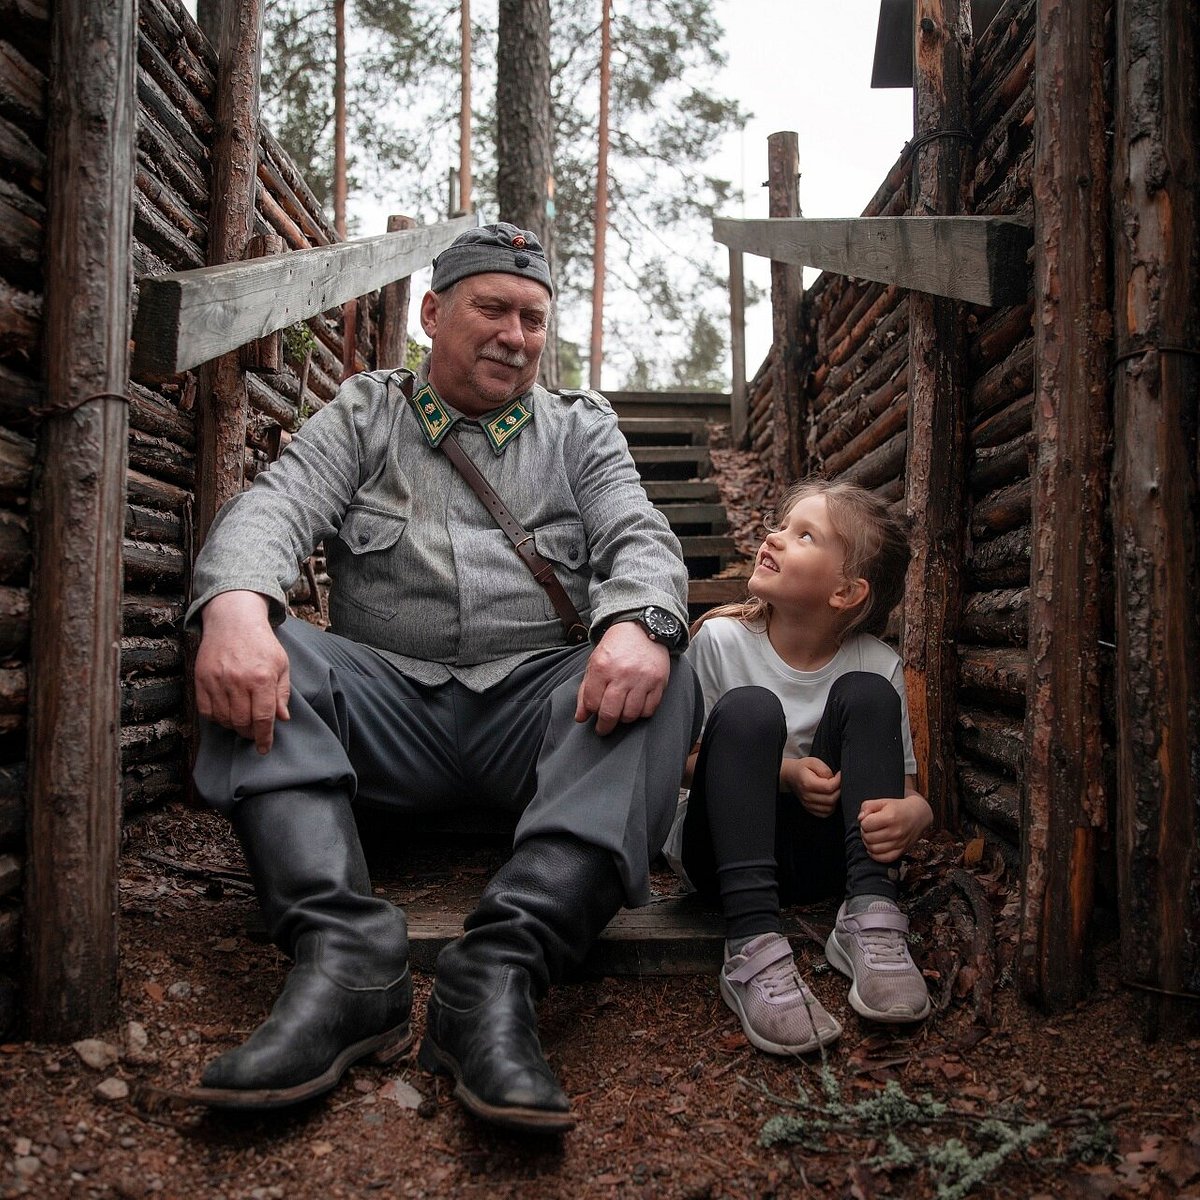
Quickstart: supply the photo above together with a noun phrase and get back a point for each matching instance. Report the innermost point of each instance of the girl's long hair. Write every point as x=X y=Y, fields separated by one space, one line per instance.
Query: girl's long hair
x=876 y=549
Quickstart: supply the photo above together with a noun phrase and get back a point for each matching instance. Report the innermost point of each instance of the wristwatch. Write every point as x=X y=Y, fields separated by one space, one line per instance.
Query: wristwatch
x=660 y=625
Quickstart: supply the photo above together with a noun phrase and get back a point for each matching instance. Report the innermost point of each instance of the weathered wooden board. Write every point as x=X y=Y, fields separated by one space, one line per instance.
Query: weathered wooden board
x=185 y=318
x=680 y=935
x=978 y=259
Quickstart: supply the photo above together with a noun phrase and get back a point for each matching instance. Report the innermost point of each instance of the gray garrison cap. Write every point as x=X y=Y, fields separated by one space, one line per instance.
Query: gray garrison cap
x=500 y=247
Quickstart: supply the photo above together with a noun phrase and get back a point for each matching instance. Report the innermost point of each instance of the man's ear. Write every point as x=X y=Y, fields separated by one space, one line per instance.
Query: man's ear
x=429 y=313
x=850 y=594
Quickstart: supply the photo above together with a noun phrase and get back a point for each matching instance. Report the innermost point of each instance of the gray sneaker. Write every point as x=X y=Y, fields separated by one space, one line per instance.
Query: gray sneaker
x=870 y=948
x=778 y=1012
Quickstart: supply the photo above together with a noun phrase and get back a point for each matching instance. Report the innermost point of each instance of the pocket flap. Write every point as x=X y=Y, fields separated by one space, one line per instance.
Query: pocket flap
x=365 y=530
x=562 y=543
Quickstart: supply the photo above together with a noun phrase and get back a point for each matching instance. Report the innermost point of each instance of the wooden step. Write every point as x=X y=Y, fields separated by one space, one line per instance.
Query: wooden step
x=711 y=406
x=672 y=462
x=708 y=546
x=679 y=935
x=681 y=489
x=664 y=431
x=713 y=515
x=710 y=592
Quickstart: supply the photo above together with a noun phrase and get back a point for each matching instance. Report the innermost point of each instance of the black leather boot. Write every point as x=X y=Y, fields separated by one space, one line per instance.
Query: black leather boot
x=539 y=915
x=349 y=994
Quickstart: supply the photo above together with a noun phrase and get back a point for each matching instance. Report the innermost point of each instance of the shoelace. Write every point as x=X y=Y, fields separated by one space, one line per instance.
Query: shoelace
x=882 y=947
x=781 y=978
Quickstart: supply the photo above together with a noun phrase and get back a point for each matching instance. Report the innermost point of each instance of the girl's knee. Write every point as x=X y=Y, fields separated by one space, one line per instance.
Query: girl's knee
x=865 y=691
x=747 y=711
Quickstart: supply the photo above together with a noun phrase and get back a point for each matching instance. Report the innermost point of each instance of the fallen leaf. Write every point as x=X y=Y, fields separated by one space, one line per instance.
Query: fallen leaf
x=1180 y=1162
x=154 y=991
x=973 y=852
x=320 y=1149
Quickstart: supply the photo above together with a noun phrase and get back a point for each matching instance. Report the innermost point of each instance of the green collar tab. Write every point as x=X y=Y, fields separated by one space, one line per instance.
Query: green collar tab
x=505 y=426
x=431 y=412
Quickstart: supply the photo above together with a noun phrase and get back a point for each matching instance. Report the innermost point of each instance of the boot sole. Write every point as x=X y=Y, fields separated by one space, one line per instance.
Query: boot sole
x=515 y=1118
x=840 y=959
x=384 y=1048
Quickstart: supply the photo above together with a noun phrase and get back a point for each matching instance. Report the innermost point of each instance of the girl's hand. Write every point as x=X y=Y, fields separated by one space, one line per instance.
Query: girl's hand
x=812 y=783
x=890 y=826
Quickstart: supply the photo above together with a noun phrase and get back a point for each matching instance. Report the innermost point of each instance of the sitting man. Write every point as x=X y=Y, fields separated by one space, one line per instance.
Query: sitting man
x=447 y=679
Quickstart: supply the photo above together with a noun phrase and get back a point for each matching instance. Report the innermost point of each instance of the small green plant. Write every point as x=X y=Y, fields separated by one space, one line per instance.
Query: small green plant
x=956 y=1164
x=298 y=340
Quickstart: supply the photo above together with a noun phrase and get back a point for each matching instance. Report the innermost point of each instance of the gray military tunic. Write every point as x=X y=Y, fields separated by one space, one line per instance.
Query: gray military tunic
x=447 y=678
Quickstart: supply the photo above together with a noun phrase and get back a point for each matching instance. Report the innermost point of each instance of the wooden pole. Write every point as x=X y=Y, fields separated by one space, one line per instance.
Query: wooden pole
x=265 y=353
x=935 y=469
x=221 y=396
x=597 y=343
x=1156 y=514
x=737 y=342
x=1064 y=807
x=392 y=333
x=74 y=790
x=339 y=117
x=787 y=288
x=465 y=199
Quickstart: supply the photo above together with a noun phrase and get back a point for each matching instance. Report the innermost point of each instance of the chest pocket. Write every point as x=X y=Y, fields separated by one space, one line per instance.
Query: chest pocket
x=368 y=576
x=565 y=546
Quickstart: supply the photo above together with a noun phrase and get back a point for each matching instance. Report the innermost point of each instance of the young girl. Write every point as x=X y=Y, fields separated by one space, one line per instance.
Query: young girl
x=803 y=785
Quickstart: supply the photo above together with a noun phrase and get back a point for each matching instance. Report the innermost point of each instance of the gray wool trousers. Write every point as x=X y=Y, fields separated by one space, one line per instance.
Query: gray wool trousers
x=359 y=725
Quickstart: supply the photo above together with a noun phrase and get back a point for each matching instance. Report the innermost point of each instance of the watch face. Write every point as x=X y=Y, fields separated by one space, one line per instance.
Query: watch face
x=662 y=624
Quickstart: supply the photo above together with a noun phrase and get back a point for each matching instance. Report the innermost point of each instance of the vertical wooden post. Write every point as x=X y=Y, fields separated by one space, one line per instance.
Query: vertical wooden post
x=221 y=397
x=74 y=795
x=935 y=470
x=1063 y=807
x=596 y=351
x=465 y=185
x=737 y=343
x=266 y=353
x=339 y=118
x=1156 y=502
x=787 y=287
x=392 y=334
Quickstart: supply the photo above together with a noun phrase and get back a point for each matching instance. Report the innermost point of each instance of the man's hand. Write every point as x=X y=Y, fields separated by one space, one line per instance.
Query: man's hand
x=812 y=783
x=890 y=826
x=625 y=677
x=241 y=669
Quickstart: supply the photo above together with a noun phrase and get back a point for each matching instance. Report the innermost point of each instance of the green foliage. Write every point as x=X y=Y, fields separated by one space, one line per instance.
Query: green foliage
x=956 y=1165
x=570 y=365
x=414 y=353
x=298 y=340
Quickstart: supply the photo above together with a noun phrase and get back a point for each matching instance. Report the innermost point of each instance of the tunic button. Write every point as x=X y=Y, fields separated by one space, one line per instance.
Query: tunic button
x=573 y=553
x=363 y=538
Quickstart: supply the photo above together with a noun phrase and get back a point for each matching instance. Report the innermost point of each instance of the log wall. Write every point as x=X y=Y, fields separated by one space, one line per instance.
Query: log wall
x=175 y=96
x=856 y=389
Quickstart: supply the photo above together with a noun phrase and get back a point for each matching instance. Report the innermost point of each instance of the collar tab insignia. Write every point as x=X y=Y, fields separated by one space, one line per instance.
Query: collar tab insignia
x=435 y=420
x=505 y=426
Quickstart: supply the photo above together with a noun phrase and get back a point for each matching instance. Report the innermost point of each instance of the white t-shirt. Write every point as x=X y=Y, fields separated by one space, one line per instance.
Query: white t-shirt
x=726 y=654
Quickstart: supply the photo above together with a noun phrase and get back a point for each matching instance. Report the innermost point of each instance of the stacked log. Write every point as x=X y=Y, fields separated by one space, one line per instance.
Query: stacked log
x=24 y=64
x=993 y=629
x=176 y=80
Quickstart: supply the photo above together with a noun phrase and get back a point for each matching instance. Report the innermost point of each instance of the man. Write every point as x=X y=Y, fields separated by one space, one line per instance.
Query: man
x=447 y=678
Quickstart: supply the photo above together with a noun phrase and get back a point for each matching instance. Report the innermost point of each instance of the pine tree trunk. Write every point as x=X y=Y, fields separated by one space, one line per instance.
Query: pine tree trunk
x=525 y=135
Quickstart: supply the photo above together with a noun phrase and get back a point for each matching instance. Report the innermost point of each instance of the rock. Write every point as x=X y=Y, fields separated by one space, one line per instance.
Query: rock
x=401 y=1093
x=112 y=1089
x=179 y=991
x=96 y=1054
x=22 y=1147
x=27 y=1166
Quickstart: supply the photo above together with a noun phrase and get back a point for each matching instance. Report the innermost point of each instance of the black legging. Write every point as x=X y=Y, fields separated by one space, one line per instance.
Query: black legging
x=749 y=844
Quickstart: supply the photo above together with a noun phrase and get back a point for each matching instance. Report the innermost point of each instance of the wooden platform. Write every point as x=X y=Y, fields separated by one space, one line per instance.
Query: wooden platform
x=677 y=935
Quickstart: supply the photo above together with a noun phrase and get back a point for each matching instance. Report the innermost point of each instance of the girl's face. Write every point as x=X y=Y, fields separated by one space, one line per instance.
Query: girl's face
x=800 y=564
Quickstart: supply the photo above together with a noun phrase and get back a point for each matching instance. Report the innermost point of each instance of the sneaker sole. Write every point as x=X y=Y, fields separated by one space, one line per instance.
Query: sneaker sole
x=733 y=1001
x=838 y=958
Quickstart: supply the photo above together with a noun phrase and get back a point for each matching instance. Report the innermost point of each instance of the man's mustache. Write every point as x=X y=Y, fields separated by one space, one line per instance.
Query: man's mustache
x=510 y=358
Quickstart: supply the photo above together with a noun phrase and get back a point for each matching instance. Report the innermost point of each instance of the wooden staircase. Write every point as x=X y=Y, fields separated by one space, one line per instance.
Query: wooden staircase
x=668 y=436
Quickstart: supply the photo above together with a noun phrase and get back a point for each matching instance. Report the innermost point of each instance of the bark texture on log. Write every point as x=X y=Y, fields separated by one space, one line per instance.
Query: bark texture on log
x=787 y=288
x=1156 y=503
x=936 y=370
x=1064 y=805
x=74 y=771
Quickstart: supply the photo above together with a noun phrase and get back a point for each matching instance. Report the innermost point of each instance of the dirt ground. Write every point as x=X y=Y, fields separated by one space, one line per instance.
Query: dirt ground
x=671 y=1099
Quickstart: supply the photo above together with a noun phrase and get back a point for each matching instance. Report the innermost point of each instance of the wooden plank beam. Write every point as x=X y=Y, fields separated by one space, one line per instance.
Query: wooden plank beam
x=787 y=290
x=185 y=318
x=1156 y=504
x=981 y=260
x=78 y=515
x=935 y=469
x=738 y=416
x=1064 y=807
